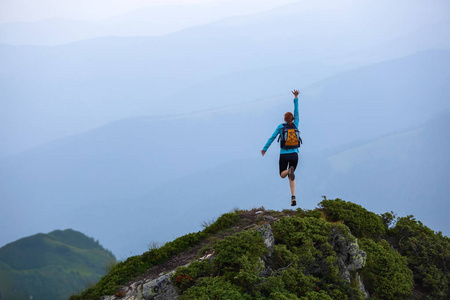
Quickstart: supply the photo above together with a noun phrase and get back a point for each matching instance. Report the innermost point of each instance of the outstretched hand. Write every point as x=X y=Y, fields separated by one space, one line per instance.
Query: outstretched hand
x=263 y=152
x=295 y=92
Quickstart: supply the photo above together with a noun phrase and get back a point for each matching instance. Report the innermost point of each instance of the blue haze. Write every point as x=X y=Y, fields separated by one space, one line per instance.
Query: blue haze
x=140 y=139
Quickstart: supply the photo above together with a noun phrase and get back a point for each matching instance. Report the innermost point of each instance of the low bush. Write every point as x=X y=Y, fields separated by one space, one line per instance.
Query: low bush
x=237 y=260
x=216 y=288
x=386 y=274
x=361 y=222
x=428 y=255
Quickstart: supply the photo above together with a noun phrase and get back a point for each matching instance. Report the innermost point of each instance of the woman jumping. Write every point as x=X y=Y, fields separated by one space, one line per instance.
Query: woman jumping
x=290 y=142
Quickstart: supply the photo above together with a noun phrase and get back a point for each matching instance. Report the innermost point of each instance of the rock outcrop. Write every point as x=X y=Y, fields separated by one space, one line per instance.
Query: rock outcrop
x=269 y=240
x=157 y=289
x=350 y=259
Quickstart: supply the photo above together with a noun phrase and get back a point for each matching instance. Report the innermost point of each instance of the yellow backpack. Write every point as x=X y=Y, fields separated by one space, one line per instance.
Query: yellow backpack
x=290 y=137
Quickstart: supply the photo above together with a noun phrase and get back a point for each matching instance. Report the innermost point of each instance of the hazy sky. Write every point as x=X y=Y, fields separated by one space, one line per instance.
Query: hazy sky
x=33 y=10
x=54 y=92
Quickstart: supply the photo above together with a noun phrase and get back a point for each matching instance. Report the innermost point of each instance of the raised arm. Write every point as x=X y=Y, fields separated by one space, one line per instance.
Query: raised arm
x=278 y=130
x=296 y=115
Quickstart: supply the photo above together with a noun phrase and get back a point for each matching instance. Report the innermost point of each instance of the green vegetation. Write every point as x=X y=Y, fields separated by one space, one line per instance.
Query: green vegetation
x=428 y=255
x=51 y=266
x=137 y=265
x=237 y=263
x=386 y=273
x=361 y=222
x=303 y=264
x=313 y=257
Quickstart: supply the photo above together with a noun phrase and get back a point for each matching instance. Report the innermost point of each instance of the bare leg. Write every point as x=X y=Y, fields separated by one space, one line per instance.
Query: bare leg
x=291 y=182
x=292 y=186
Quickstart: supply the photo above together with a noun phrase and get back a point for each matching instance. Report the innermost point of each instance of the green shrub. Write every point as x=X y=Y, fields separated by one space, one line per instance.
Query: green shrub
x=309 y=213
x=308 y=244
x=273 y=284
x=237 y=260
x=362 y=223
x=320 y=295
x=389 y=219
x=216 y=288
x=225 y=221
x=282 y=296
x=230 y=253
x=282 y=257
x=428 y=255
x=294 y=231
x=386 y=274
x=185 y=277
x=297 y=282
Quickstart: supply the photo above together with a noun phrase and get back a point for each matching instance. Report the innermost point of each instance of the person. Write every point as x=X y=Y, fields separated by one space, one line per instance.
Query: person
x=288 y=155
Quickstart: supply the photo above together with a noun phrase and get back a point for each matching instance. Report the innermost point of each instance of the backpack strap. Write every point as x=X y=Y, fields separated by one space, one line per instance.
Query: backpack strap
x=279 y=136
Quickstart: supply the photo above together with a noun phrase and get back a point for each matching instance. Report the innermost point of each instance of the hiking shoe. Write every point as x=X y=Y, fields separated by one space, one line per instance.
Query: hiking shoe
x=293 y=202
x=291 y=174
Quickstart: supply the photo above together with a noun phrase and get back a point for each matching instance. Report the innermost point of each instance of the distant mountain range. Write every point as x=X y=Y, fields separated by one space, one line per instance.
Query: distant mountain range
x=53 y=92
x=378 y=123
x=166 y=130
x=51 y=266
x=151 y=20
x=404 y=172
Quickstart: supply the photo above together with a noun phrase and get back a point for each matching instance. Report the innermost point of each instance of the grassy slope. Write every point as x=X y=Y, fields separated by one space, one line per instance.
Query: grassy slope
x=51 y=265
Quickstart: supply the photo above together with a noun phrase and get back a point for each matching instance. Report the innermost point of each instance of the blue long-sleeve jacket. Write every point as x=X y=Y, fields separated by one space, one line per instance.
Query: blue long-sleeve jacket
x=279 y=131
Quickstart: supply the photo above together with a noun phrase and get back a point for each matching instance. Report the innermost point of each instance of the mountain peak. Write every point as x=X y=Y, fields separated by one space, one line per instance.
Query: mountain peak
x=337 y=251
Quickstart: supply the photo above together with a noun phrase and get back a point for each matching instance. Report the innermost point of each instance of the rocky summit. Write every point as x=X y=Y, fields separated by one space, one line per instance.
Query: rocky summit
x=337 y=251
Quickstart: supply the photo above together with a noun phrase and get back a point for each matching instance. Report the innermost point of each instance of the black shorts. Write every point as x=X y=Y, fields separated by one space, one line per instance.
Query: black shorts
x=289 y=159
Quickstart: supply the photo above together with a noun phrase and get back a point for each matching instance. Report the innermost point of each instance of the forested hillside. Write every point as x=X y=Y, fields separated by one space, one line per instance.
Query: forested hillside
x=51 y=266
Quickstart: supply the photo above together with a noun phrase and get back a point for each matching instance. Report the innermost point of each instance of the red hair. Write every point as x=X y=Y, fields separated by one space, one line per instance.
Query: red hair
x=288 y=117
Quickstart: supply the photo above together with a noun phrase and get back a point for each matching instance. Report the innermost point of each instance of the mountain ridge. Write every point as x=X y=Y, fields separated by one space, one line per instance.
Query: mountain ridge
x=310 y=90
x=155 y=20
x=338 y=250
x=141 y=88
x=144 y=72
